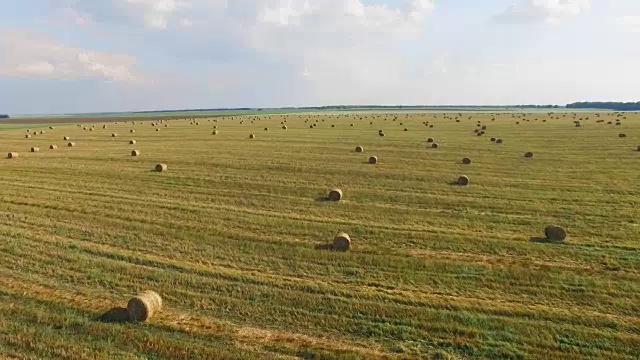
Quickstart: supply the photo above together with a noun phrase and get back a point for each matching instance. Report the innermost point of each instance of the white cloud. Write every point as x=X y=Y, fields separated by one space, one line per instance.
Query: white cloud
x=537 y=11
x=32 y=54
x=630 y=23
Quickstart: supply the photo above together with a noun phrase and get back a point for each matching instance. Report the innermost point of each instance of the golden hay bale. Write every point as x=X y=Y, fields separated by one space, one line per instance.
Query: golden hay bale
x=622 y=135
x=91 y=129
x=555 y=233
x=161 y=167
x=35 y=149
x=66 y=138
x=51 y=128
x=382 y=134
x=493 y=139
x=53 y=147
x=12 y=155
x=166 y=125
x=135 y=153
x=528 y=154
x=359 y=149
x=157 y=129
x=466 y=161
x=435 y=146
x=342 y=242
x=71 y=144
x=132 y=131
x=104 y=126
x=114 y=135
x=405 y=129
x=373 y=160
x=284 y=127
x=215 y=132
x=335 y=194
x=252 y=136
x=499 y=141
x=27 y=136
x=266 y=129
x=144 y=306
x=333 y=125
x=132 y=142
x=463 y=180
x=41 y=132
x=484 y=127
x=430 y=140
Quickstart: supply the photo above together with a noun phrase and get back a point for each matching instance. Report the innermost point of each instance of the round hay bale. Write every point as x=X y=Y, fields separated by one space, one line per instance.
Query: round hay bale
x=12 y=155
x=27 y=136
x=104 y=126
x=638 y=148
x=215 y=132
x=35 y=149
x=252 y=136
x=132 y=131
x=51 y=128
x=435 y=146
x=53 y=147
x=430 y=126
x=351 y=125
x=42 y=132
x=484 y=127
x=266 y=129
x=132 y=142
x=622 y=135
x=381 y=134
x=405 y=129
x=91 y=129
x=373 y=160
x=493 y=139
x=66 y=138
x=466 y=161
x=499 y=141
x=359 y=149
x=144 y=306
x=161 y=167
x=284 y=127
x=157 y=129
x=342 y=242
x=463 y=180
x=335 y=194
x=430 y=140
x=135 y=153
x=517 y=122
x=114 y=135
x=528 y=154
x=555 y=233
x=71 y=144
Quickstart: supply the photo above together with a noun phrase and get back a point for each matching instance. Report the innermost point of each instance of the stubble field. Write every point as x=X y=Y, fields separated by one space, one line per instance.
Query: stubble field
x=228 y=235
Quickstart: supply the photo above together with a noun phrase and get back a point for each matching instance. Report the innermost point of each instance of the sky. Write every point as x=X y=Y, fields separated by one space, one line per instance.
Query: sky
x=70 y=56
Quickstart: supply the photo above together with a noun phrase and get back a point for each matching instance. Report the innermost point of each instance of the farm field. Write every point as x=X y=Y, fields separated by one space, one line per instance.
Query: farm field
x=228 y=236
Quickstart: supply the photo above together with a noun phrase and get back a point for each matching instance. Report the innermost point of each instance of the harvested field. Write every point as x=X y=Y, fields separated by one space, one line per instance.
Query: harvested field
x=227 y=238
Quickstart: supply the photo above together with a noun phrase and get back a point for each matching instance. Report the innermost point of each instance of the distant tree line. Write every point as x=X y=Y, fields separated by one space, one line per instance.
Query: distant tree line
x=620 y=106
x=4 y=116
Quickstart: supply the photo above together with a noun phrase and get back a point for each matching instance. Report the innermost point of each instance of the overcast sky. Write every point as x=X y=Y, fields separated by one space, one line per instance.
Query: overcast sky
x=60 y=56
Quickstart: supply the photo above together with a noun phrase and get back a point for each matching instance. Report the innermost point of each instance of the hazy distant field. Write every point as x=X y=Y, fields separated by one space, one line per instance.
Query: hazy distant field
x=227 y=238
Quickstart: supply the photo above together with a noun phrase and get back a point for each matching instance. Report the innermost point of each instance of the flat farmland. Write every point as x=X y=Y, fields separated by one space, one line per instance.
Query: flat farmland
x=228 y=236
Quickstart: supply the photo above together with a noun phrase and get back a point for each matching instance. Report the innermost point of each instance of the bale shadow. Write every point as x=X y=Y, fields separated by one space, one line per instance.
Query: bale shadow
x=544 y=240
x=323 y=199
x=324 y=247
x=115 y=315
